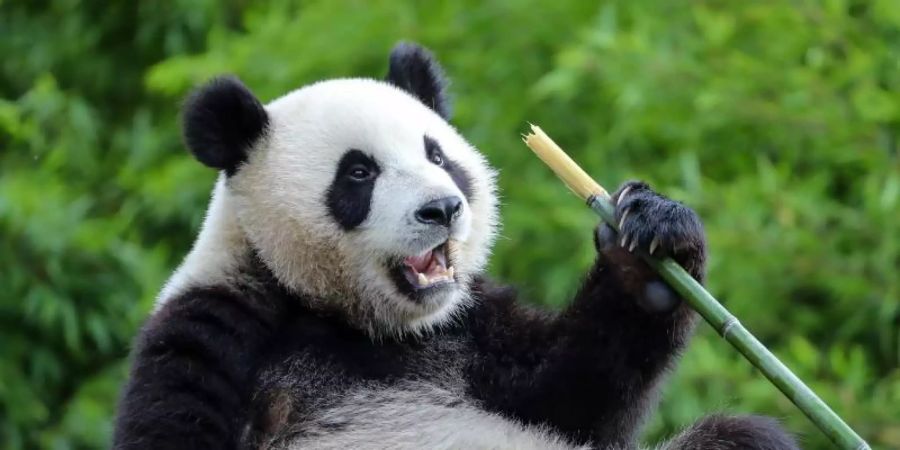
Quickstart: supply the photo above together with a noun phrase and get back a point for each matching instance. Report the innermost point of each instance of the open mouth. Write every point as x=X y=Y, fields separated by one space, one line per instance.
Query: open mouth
x=429 y=269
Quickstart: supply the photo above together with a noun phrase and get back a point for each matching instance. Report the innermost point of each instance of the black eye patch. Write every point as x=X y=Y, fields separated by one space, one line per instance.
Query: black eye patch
x=349 y=198
x=434 y=153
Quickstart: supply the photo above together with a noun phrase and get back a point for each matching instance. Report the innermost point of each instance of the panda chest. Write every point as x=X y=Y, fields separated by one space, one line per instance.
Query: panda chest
x=318 y=350
x=338 y=390
x=342 y=387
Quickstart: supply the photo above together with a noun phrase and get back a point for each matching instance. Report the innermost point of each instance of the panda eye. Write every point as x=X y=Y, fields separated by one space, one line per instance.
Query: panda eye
x=359 y=172
x=433 y=152
x=436 y=158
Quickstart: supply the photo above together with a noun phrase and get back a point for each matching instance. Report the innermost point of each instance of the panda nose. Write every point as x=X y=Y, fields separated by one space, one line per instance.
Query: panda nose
x=439 y=212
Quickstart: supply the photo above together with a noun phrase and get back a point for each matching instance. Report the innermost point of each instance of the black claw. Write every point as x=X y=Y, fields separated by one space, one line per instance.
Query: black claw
x=649 y=221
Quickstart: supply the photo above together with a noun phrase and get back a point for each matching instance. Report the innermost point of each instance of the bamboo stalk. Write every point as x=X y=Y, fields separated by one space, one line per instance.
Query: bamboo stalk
x=705 y=304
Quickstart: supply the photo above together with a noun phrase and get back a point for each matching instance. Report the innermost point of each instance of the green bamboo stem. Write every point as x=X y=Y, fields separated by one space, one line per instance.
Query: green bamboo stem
x=734 y=332
x=705 y=304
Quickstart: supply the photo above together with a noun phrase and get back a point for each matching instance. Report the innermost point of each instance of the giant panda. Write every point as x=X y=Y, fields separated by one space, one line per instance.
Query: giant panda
x=335 y=296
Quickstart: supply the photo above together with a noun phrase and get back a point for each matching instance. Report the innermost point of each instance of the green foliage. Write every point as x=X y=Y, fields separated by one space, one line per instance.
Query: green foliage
x=777 y=121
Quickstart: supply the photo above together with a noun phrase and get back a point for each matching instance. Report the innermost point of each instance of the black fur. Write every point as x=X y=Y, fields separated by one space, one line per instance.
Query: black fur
x=591 y=371
x=414 y=69
x=192 y=365
x=350 y=198
x=720 y=432
x=222 y=120
x=648 y=216
x=678 y=229
x=248 y=365
x=457 y=173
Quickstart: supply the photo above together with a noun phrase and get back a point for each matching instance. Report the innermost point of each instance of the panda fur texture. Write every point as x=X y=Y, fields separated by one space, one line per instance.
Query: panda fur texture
x=334 y=297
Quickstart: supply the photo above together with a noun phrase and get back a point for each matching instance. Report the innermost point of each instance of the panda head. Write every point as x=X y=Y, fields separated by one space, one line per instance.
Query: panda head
x=355 y=193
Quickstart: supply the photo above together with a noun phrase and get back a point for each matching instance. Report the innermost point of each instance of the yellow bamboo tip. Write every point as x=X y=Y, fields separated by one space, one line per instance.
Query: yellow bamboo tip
x=567 y=170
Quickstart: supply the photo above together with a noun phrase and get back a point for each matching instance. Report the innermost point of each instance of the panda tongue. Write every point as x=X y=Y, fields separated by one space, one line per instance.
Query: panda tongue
x=421 y=262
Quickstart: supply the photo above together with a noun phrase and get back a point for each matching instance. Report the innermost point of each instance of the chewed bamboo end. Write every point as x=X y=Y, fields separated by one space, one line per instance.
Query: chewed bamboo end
x=562 y=165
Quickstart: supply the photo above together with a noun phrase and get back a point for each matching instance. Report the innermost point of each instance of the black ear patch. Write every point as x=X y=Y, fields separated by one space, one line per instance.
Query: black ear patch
x=221 y=122
x=414 y=69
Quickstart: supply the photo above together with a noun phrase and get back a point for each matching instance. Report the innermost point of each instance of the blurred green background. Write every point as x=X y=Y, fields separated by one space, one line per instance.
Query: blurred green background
x=777 y=121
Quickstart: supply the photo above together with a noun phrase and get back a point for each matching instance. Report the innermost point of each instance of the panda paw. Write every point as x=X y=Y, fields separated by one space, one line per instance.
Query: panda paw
x=651 y=223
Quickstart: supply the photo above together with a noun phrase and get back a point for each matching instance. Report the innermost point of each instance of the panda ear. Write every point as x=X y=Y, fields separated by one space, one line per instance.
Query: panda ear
x=222 y=120
x=414 y=69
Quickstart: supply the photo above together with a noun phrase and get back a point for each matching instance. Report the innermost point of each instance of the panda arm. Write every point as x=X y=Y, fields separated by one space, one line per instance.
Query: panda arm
x=590 y=370
x=191 y=371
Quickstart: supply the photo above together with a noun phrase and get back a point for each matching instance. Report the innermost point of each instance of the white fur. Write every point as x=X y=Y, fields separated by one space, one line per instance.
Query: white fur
x=418 y=416
x=276 y=201
x=217 y=250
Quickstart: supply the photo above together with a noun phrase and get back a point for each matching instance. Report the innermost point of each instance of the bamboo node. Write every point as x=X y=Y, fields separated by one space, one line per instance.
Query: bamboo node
x=730 y=323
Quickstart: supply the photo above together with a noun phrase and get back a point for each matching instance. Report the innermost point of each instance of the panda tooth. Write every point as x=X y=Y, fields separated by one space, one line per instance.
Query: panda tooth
x=423 y=280
x=450 y=272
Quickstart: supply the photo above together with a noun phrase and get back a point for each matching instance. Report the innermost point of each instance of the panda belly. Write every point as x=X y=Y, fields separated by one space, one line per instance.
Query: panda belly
x=416 y=415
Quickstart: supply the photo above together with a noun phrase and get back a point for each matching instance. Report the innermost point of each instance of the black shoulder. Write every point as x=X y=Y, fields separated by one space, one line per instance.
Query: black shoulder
x=502 y=326
x=191 y=365
x=493 y=298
